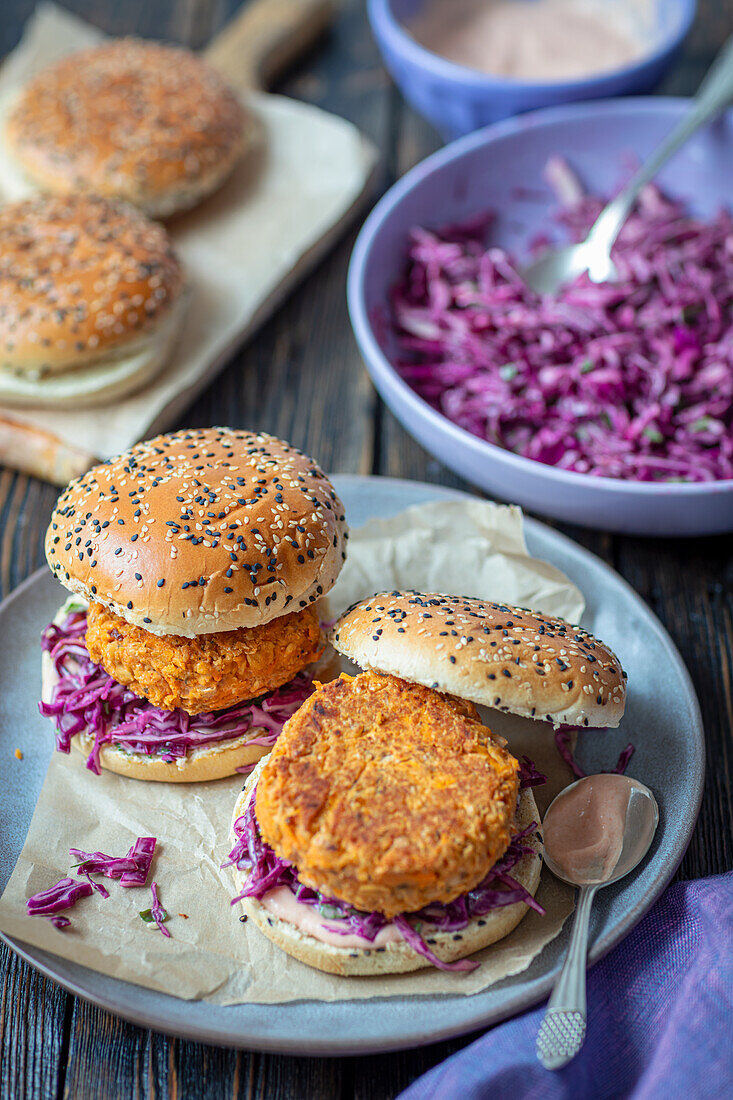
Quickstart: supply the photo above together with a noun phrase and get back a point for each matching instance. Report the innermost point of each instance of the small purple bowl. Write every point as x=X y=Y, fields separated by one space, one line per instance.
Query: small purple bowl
x=501 y=169
x=458 y=100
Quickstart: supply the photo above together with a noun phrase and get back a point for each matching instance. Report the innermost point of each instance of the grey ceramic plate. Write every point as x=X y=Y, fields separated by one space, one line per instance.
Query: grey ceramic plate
x=662 y=718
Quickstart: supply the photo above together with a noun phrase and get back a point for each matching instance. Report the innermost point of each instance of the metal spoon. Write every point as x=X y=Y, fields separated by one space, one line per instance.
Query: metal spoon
x=562 y=1032
x=556 y=267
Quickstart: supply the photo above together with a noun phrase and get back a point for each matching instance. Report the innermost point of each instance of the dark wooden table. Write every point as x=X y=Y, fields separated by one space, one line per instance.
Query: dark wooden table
x=302 y=378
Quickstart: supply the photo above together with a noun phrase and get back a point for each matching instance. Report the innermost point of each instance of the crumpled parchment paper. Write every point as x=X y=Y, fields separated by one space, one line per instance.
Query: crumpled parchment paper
x=450 y=546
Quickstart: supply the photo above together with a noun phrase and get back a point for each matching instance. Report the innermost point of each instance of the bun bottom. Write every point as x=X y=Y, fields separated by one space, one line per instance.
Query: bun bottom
x=99 y=383
x=398 y=957
x=202 y=765
x=215 y=762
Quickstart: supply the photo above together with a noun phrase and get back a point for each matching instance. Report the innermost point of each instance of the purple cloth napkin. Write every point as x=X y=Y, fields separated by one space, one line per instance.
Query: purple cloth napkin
x=660 y=1018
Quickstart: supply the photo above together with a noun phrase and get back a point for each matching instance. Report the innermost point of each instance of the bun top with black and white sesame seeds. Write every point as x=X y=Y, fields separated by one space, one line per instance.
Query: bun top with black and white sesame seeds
x=503 y=657
x=130 y=119
x=200 y=531
x=81 y=279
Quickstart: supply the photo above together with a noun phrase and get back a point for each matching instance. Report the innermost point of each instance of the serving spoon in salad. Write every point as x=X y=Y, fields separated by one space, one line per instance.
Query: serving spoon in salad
x=558 y=266
x=596 y=831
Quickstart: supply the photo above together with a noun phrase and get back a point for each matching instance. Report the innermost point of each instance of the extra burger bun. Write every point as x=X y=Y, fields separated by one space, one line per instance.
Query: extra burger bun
x=200 y=531
x=398 y=957
x=503 y=657
x=129 y=119
x=198 y=765
x=91 y=298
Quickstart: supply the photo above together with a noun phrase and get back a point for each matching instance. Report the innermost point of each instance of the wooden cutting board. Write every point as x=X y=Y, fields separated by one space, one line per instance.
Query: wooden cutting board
x=260 y=41
x=265 y=37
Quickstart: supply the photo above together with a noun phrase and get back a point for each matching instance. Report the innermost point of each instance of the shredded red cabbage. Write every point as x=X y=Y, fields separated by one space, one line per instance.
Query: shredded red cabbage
x=157 y=911
x=411 y=935
x=87 y=700
x=562 y=741
x=62 y=896
x=623 y=761
x=265 y=870
x=528 y=774
x=632 y=379
x=59 y=921
x=142 y=854
x=100 y=889
x=131 y=870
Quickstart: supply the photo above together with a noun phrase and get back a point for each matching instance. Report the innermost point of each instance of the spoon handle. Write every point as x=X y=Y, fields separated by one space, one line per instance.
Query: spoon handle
x=562 y=1032
x=715 y=92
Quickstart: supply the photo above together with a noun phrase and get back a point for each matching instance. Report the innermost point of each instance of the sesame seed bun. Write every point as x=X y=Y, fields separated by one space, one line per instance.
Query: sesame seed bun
x=200 y=531
x=199 y=765
x=91 y=294
x=503 y=657
x=397 y=957
x=129 y=119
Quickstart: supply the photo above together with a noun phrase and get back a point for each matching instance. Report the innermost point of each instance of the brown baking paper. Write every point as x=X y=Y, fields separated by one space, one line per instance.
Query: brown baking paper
x=244 y=247
x=211 y=955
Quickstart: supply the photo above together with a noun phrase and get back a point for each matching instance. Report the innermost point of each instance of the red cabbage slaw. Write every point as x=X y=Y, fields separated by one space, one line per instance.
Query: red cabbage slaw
x=63 y=895
x=157 y=913
x=265 y=871
x=87 y=700
x=529 y=776
x=630 y=380
x=131 y=870
x=562 y=742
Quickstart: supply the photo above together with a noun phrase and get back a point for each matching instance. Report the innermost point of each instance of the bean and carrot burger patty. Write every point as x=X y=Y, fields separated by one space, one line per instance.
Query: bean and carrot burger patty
x=210 y=671
x=387 y=795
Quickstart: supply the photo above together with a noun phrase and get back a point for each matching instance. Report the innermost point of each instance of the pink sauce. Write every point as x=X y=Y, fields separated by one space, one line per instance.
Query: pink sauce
x=281 y=902
x=538 y=40
x=584 y=829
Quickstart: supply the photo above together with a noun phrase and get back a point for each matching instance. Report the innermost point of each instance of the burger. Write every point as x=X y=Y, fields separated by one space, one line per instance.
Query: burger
x=198 y=564
x=130 y=119
x=92 y=295
x=388 y=829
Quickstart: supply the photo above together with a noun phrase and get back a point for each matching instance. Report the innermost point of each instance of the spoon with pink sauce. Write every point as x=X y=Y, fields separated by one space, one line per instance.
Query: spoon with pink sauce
x=596 y=831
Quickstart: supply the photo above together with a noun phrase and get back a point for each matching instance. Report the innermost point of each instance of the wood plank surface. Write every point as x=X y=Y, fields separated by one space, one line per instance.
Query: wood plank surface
x=302 y=378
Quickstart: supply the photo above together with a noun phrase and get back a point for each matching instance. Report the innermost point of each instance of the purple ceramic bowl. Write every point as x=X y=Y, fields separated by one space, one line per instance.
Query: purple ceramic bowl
x=458 y=100
x=501 y=168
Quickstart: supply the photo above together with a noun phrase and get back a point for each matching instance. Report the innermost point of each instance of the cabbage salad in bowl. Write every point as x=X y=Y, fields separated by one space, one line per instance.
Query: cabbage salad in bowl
x=630 y=380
